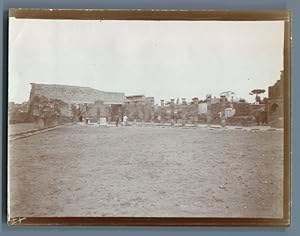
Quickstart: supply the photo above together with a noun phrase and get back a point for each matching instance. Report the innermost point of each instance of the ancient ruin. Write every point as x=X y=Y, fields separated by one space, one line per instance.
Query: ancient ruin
x=51 y=104
x=276 y=102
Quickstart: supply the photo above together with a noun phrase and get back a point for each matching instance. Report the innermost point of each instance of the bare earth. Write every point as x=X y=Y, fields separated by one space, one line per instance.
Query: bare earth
x=19 y=128
x=147 y=171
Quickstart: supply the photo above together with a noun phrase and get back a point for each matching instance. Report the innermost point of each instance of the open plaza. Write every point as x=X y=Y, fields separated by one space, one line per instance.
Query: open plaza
x=146 y=170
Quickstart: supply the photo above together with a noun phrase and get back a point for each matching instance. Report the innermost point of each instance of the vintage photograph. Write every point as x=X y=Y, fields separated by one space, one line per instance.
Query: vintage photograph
x=146 y=118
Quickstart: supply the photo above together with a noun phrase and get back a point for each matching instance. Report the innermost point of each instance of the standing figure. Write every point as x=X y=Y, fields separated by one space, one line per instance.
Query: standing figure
x=125 y=120
x=117 y=120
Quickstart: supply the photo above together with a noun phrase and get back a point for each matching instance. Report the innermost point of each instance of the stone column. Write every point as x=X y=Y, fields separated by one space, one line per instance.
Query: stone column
x=183 y=106
x=136 y=112
x=143 y=112
x=196 y=108
x=172 y=106
x=162 y=108
x=208 y=114
x=223 y=106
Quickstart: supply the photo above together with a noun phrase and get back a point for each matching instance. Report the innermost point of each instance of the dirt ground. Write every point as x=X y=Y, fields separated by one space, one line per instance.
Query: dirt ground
x=19 y=128
x=147 y=171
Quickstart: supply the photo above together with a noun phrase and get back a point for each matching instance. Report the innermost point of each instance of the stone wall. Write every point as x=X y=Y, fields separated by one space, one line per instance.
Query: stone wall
x=139 y=111
x=47 y=112
x=276 y=103
x=75 y=94
x=52 y=104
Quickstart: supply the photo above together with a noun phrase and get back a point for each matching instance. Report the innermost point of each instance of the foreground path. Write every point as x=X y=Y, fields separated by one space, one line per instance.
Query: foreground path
x=147 y=171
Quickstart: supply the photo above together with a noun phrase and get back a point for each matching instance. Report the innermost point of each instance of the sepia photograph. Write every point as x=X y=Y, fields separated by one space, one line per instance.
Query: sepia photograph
x=175 y=118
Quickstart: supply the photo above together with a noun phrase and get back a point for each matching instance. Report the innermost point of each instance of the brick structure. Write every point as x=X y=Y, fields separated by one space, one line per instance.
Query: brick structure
x=139 y=108
x=51 y=104
x=195 y=110
x=75 y=94
x=275 y=104
x=134 y=108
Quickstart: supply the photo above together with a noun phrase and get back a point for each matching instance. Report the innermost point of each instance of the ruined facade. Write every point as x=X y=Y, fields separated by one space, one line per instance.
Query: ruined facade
x=51 y=104
x=139 y=108
x=75 y=94
x=276 y=102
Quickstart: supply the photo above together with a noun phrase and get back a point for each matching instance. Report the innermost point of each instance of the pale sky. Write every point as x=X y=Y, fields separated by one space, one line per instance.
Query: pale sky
x=163 y=59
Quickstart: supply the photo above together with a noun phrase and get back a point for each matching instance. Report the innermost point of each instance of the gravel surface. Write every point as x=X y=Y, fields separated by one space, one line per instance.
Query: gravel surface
x=84 y=170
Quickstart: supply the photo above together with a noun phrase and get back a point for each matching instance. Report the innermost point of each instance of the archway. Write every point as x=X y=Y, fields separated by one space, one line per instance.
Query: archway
x=274 y=108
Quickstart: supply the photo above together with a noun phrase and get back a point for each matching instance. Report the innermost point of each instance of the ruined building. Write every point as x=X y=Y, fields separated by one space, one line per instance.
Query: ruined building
x=276 y=102
x=139 y=108
x=51 y=104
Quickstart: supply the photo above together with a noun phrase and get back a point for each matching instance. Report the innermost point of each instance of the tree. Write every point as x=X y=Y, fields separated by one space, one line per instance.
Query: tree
x=257 y=92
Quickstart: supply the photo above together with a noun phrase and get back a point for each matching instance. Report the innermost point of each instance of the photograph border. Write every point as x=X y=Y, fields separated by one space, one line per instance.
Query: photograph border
x=188 y=15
